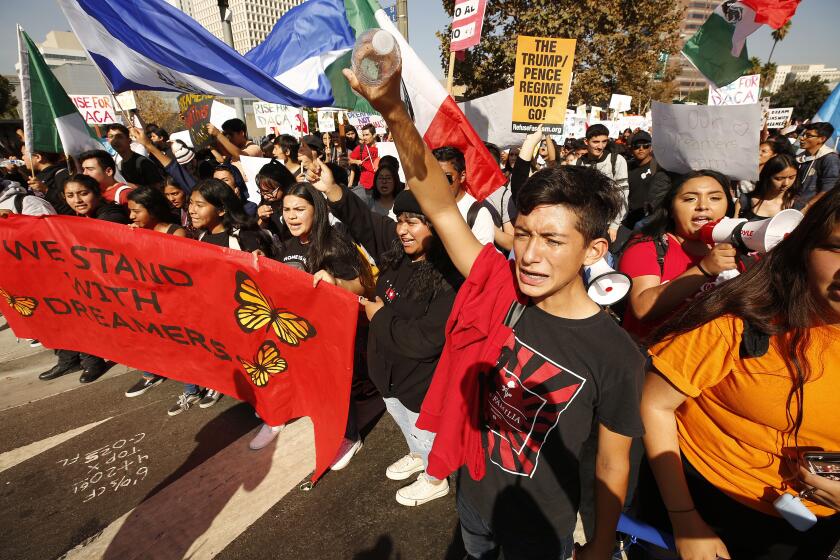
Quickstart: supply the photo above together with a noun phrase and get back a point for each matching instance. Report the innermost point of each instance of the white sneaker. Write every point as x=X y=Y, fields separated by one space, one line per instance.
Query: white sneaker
x=346 y=450
x=405 y=467
x=210 y=398
x=265 y=436
x=422 y=490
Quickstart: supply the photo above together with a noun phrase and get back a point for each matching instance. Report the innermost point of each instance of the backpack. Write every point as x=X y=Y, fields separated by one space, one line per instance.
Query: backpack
x=617 y=310
x=472 y=213
x=233 y=239
x=613 y=159
x=19 y=202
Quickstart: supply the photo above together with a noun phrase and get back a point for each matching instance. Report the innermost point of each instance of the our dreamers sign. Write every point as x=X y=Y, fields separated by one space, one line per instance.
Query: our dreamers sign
x=541 y=83
x=247 y=326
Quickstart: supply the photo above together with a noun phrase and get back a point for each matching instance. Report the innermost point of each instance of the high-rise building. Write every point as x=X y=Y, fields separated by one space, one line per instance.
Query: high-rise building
x=251 y=20
x=696 y=13
x=803 y=72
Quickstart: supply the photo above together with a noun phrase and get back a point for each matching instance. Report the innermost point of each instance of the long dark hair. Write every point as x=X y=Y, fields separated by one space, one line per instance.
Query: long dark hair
x=431 y=276
x=217 y=193
x=399 y=186
x=775 y=165
x=327 y=245
x=662 y=219
x=774 y=298
x=154 y=202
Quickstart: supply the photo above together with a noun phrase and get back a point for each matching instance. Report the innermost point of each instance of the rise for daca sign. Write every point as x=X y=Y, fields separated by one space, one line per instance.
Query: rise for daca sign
x=96 y=109
x=247 y=326
x=541 y=83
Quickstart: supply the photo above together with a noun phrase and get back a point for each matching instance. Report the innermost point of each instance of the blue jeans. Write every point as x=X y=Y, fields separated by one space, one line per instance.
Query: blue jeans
x=481 y=543
x=419 y=441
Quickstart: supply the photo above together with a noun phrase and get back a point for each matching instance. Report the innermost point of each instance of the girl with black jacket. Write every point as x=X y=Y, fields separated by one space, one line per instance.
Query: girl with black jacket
x=83 y=196
x=415 y=292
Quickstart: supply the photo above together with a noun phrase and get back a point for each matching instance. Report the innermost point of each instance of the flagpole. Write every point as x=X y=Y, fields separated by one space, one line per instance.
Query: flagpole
x=24 y=87
x=450 y=79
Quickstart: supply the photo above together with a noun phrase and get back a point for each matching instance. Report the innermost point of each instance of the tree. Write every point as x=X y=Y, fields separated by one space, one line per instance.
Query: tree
x=767 y=71
x=699 y=96
x=153 y=108
x=618 y=45
x=8 y=101
x=806 y=97
x=778 y=35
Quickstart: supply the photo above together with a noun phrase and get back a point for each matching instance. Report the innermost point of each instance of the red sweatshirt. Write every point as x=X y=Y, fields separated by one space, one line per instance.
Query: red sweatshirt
x=475 y=334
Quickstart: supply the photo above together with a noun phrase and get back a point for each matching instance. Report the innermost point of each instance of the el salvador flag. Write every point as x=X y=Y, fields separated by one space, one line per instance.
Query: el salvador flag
x=150 y=45
x=303 y=44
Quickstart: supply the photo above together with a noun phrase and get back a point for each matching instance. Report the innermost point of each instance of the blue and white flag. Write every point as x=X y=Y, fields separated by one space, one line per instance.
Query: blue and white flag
x=310 y=45
x=830 y=113
x=149 y=44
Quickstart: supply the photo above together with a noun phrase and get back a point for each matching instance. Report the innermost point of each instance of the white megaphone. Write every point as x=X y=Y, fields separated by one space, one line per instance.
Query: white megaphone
x=759 y=236
x=606 y=285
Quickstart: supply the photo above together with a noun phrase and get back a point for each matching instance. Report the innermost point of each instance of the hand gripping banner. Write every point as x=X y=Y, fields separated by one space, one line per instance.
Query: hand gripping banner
x=247 y=326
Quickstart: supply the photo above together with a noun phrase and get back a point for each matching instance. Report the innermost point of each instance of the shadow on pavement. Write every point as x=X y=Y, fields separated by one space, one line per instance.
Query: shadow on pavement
x=179 y=510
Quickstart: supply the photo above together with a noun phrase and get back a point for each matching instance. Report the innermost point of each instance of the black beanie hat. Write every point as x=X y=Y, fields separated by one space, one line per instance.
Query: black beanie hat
x=405 y=202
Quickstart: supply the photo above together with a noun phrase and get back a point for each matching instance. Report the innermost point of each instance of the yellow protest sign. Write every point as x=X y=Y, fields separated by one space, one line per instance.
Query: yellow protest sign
x=541 y=83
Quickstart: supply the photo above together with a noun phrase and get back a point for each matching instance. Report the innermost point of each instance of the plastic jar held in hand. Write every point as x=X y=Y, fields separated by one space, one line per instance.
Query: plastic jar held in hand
x=376 y=57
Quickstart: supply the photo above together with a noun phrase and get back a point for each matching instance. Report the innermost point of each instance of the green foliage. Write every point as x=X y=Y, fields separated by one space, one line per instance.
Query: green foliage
x=806 y=97
x=618 y=45
x=8 y=101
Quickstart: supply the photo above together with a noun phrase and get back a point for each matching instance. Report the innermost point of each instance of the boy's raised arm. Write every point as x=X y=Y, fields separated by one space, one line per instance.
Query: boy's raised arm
x=422 y=172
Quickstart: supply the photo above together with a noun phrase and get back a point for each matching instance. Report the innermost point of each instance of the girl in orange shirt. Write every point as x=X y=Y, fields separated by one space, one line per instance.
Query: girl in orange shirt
x=741 y=383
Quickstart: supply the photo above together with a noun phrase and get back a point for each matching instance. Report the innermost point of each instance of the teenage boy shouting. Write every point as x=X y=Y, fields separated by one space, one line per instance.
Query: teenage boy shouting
x=531 y=365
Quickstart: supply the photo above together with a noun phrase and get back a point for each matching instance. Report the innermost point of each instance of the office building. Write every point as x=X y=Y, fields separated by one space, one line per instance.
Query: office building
x=251 y=20
x=803 y=72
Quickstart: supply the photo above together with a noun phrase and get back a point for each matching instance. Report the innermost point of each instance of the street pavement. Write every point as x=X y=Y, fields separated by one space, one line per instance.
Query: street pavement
x=87 y=473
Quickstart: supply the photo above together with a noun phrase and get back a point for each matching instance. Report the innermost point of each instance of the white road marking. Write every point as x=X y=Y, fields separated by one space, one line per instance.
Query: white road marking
x=16 y=456
x=202 y=512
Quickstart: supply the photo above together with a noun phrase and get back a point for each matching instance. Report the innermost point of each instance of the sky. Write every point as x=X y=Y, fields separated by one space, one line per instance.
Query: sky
x=812 y=39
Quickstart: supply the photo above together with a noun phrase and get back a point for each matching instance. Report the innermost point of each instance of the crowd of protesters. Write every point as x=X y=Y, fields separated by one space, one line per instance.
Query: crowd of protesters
x=687 y=407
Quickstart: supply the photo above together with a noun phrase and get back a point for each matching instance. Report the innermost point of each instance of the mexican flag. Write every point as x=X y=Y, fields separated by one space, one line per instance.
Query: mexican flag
x=313 y=42
x=51 y=122
x=718 y=49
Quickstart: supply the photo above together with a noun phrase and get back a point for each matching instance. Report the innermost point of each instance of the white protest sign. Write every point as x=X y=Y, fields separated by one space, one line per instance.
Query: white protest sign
x=491 y=116
x=574 y=127
x=360 y=120
x=742 y=91
x=126 y=101
x=183 y=136
x=326 y=121
x=613 y=126
x=581 y=110
x=778 y=118
x=281 y=119
x=723 y=138
x=632 y=122
x=219 y=113
x=96 y=109
x=390 y=149
x=251 y=167
x=620 y=103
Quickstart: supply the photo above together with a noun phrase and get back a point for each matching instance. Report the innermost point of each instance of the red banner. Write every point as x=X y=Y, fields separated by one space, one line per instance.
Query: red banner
x=247 y=326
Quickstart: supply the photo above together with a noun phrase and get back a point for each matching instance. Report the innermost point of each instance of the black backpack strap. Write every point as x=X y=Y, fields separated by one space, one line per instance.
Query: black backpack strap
x=514 y=314
x=613 y=159
x=472 y=213
x=661 y=245
x=754 y=342
x=19 y=202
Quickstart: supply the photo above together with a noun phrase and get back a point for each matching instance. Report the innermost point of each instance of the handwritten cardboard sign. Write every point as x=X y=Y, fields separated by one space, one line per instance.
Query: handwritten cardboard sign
x=779 y=118
x=723 y=138
x=195 y=112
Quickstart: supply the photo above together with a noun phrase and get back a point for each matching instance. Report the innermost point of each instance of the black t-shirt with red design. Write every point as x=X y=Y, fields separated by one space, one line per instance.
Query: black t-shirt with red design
x=554 y=380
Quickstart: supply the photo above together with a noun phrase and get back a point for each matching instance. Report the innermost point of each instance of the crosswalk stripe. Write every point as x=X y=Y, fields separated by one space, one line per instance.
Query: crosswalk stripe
x=202 y=512
x=16 y=456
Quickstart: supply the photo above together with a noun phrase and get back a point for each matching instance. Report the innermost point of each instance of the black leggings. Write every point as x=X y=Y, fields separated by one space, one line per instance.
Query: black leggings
x=747 y=533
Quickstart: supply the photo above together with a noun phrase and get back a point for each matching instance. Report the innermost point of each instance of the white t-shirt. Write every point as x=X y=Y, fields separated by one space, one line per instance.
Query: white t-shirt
x=483 y=228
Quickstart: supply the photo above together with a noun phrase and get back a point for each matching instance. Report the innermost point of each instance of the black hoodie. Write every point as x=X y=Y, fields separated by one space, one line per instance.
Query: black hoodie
x=406 y=336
